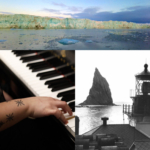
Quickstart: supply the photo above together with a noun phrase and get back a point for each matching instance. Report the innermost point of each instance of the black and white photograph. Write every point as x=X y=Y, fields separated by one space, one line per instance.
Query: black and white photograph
x=113 y=100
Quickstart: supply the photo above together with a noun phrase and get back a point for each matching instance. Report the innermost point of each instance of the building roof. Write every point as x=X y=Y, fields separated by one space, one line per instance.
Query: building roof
x=145 y=75
x=127 y=133
x=141 y=145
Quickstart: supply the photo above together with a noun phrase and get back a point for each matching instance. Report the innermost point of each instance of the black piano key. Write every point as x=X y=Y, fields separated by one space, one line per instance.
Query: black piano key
x=68 y=97
x=71 y=78
x=61 y=83
x=54 y=81
x=24 y=52
x=54 y=73
x=65 y=70
x=36 y=57
x=54 y=62
x=72 y=106
x=41 y=67
x=46 y=73
x=50 y=75
x=61 y=87
x=32 y=65
x=45 y=54
x=30 y=58
x=66 y=93
x=57 y=81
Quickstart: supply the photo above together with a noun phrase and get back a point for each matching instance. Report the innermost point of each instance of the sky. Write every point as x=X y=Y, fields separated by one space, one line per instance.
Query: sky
x=137 y=11
x=117 y=67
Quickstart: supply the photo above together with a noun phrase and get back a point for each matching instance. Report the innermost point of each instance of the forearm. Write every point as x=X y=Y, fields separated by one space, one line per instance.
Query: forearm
x=7 y=97
x=11 y=112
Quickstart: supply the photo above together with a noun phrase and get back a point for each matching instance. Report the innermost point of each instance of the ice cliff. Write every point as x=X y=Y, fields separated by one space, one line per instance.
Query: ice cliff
x=100 y=93
x=35 y=22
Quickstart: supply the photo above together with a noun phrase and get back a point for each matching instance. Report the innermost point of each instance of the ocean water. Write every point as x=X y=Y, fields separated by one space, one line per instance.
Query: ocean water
x=85 y=39
x=90 y=118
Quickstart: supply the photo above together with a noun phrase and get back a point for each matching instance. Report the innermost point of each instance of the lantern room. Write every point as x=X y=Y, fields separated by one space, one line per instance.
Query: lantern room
x=143 y=82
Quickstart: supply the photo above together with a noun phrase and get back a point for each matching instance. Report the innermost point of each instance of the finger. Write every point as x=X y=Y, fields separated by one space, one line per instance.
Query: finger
x=60 y=116
x=64 y=106
x=63 y=111
x=56 y=99
x=63 y=119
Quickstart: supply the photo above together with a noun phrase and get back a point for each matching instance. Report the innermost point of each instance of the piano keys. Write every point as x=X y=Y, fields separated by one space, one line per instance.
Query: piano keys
x=45 y=73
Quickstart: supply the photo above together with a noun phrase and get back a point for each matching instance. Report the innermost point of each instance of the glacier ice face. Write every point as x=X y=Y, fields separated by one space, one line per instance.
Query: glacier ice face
x=19 y=21
x=68 y=41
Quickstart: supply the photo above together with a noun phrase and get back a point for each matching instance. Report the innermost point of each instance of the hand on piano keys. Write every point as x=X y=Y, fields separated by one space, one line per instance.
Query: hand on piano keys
x=45 y=106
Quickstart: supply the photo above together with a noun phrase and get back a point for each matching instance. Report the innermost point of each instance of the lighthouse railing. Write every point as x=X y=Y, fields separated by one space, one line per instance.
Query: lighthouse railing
x=127 y=109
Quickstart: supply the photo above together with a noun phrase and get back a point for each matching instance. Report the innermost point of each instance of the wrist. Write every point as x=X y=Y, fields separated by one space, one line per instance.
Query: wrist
x=28 y=106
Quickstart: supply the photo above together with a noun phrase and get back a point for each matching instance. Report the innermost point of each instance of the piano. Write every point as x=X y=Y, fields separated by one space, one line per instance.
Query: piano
x=45 y=73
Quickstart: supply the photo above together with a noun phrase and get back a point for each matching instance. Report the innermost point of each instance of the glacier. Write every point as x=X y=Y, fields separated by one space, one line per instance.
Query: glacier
x=20 y=21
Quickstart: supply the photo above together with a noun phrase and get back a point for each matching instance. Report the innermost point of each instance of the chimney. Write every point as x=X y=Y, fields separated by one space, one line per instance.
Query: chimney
x=104 y=121
x=77 y=120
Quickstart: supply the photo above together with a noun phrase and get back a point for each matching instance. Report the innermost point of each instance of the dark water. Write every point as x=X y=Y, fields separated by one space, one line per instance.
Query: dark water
x=91 y=117
x=85 y=39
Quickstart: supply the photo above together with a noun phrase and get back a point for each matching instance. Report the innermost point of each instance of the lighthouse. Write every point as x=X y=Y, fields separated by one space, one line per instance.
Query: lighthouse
x=141 y=102
x=141 y=95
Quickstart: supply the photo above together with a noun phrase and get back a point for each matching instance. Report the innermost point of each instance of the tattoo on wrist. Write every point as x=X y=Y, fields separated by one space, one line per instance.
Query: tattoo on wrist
x=10 y=117
x=1 y=123
x=19 y=103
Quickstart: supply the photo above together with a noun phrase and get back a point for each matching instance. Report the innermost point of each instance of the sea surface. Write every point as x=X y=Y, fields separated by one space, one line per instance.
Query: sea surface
x=90 y=118
x=85 y=39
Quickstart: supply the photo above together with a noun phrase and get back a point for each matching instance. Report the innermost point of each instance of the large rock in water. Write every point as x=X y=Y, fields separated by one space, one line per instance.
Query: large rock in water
x=19 y=21
x=100 y=93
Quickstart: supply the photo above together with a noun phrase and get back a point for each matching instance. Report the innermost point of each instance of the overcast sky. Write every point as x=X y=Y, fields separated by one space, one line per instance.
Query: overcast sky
x=101 y=10
x=117 y=67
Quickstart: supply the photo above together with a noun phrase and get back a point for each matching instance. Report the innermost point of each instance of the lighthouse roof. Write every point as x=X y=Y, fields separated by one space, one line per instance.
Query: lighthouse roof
x=144 y=75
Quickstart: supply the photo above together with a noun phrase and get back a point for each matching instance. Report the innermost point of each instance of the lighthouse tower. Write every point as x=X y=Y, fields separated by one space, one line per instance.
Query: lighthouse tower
x=141 y=97
x=141 y=102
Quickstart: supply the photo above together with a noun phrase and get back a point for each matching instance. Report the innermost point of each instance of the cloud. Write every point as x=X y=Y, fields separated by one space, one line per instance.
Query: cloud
x=71 y=8
x=138 y=14
x=135 y=7
x=2 y=12
x=51 y=10
x=59 y=4
x=75 y=9
x=91 y=10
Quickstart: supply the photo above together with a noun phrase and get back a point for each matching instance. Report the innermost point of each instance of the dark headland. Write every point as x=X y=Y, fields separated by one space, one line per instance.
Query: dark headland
x=100 y=93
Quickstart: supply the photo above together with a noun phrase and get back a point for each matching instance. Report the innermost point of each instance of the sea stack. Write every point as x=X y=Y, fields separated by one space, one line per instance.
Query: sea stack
x=100 y=93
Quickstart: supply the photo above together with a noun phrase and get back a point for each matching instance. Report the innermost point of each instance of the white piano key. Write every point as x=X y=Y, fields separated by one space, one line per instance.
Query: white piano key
x=67 y=115
x=71 y=122
x=73 y=128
